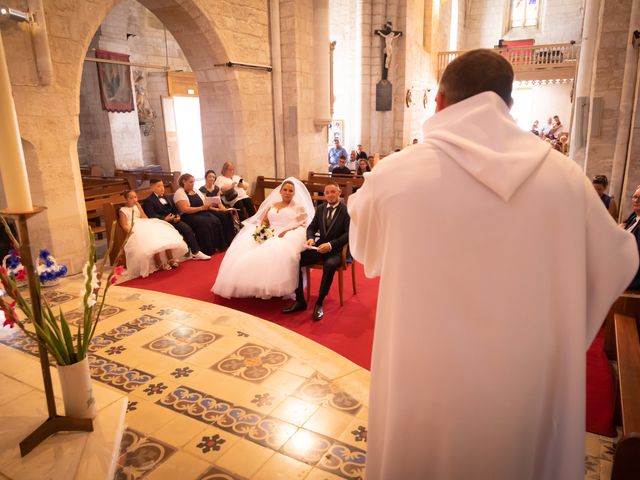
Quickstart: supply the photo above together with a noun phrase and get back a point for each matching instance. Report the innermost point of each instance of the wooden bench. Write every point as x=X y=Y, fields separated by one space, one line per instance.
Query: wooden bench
x=622 y=345
x=626 y=460
x=140 y=178
x=346 y=183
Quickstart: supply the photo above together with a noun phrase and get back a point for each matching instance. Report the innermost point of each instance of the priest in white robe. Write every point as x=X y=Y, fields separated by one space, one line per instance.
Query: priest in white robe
x=498 y=263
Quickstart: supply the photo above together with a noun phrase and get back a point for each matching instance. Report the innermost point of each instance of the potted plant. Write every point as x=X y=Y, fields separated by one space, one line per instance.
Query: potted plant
x=68 y=345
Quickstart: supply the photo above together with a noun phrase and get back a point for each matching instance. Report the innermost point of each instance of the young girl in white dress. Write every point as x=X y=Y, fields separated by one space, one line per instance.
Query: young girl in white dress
x=153 y=244
x=268 y=269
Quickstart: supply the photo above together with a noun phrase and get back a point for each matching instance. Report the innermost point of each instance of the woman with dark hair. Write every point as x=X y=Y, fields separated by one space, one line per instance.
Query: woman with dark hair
x=212 y=194
x=264 y=259
x=206 y=226
x=600 y=183
x=234 y=190
x=363 y=166
x=153 y=244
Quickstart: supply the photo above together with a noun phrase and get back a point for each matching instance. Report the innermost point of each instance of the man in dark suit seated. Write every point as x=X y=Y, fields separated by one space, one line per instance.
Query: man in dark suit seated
x=342 y=169
x=632 y=225
x=331 y=225
x=158 y=206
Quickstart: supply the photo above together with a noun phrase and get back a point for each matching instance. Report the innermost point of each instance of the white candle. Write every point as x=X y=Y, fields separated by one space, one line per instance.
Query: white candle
x=12 y=166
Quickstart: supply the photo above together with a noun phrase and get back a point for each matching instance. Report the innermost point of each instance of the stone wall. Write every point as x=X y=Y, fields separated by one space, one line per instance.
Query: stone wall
x=209 y=33
x=131 y=29
x=609 y=71
x=487 y=21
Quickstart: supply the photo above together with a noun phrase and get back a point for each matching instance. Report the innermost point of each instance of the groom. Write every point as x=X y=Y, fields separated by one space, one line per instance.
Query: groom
x=331 y=227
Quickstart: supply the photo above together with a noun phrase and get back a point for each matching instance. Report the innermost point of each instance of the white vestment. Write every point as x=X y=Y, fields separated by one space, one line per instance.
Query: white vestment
x=498 y=264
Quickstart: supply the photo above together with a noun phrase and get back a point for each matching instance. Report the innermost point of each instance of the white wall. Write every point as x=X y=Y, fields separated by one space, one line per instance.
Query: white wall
x=542 y=102
x=487 y=22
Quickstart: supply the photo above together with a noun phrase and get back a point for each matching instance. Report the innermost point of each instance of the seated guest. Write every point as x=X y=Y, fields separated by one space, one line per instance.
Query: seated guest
x=547 y=128
x=342 y=169
x=632 y=225
x=555 y=127
x=329 y=231
x=211 y=191
x=363 y=167
x=414 y=141
x=600 y=183
x=205 y=225
x=353 y=161
x=149 y=240
x=158 y=206
x=535 y=129
x=361 y=153
x=234 y=190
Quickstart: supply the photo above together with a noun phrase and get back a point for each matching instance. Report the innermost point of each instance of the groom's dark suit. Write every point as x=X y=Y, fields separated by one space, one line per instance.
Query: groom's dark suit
x=333 y=229
x=155 y=208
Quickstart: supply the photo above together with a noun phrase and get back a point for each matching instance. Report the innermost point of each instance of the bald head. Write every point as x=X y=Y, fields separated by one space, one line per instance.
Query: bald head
x=475 y=72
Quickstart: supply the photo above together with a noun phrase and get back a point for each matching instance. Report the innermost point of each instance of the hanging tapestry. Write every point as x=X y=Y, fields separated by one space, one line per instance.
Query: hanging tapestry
x=115 y=82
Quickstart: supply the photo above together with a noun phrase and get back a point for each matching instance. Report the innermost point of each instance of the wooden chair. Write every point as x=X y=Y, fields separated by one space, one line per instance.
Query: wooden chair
x=343 y=266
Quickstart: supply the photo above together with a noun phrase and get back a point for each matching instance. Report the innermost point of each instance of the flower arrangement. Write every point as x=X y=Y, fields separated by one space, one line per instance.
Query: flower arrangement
x=12 y=264
x=55 y=331
x=262 y=233
x=48 y=269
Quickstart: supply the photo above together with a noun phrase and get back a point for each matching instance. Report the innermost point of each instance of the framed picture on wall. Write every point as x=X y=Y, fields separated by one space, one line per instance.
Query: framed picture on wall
x=115 y=82
x=335 y=131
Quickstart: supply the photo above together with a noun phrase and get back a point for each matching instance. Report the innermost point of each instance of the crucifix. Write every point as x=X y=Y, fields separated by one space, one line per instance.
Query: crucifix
x=383 y=87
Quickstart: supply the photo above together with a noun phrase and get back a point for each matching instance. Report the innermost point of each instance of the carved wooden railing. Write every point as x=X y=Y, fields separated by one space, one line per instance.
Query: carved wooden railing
x=557 y=59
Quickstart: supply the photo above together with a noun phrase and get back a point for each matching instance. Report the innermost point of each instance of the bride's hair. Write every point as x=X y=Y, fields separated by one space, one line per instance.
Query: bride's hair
x=288 y=182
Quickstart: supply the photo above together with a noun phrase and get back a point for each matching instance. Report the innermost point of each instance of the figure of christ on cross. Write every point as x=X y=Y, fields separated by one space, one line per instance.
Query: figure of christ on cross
x=389 y=36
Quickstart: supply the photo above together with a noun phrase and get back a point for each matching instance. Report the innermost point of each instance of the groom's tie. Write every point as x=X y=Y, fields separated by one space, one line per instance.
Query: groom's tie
x=329 y=216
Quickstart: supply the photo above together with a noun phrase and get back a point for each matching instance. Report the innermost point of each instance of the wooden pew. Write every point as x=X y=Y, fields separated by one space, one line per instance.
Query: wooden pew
x=347 y=183
x=262 y=185
x=94 y=207
x=626 y=460
x=140 y=178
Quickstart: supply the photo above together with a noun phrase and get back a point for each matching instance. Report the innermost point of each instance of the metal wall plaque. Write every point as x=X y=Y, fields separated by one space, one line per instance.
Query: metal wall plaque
x=383 y=96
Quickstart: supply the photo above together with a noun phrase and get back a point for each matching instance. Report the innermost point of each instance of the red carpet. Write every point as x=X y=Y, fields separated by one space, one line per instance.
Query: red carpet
x=600 y=390
x=347 y=330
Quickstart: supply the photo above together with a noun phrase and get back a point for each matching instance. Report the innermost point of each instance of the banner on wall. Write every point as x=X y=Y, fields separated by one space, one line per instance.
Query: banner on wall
x=115 y=82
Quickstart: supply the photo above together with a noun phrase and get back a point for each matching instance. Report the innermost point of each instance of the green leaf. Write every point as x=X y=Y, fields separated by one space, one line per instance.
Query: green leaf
x=68 y=341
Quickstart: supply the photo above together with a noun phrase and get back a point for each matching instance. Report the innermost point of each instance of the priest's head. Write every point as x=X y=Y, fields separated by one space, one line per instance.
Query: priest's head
x=472 y=73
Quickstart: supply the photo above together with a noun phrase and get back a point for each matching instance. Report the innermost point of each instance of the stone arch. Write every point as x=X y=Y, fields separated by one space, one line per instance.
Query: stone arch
x=197 y=34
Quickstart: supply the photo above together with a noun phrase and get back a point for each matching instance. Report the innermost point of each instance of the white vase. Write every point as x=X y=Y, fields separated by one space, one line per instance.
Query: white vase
x=77 y=390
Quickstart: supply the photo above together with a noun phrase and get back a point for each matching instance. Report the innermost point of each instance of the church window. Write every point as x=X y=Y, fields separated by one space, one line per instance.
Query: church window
x=524 y=13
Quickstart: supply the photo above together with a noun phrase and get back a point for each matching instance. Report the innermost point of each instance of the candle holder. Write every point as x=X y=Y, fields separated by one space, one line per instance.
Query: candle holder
x=54 y=423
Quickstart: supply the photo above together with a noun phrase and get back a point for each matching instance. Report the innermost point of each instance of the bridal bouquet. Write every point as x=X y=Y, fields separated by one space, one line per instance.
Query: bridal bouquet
x=263 y=233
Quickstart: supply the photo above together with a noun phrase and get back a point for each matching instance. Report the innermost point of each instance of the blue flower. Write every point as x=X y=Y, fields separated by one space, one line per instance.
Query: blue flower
x=63 y=270
x=44 y=254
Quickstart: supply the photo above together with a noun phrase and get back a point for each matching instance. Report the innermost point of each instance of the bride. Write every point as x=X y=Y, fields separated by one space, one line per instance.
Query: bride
x=268 y=269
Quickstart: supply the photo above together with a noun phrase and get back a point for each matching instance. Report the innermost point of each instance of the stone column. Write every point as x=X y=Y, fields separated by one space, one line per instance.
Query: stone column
x=276 y=86
x=584 y=79
x=321 y=80
x=620 y=159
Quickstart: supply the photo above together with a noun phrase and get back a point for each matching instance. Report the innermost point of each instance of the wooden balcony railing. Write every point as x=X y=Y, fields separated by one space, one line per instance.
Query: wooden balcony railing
x=529 y=62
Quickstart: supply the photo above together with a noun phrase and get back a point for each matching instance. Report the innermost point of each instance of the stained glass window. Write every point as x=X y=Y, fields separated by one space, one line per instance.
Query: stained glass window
x=524 y=13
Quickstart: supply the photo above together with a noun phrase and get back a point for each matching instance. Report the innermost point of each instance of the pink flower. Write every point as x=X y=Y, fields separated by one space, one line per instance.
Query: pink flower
x=113 y=280
x=22 y=275
x=119 y=270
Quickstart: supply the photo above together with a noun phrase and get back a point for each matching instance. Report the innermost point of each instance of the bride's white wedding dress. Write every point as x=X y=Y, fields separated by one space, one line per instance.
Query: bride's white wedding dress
x=269 y=269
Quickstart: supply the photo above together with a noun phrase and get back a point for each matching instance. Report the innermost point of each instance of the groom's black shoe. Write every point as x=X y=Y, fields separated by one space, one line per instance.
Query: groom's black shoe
x=296 y=307
x=318 y=313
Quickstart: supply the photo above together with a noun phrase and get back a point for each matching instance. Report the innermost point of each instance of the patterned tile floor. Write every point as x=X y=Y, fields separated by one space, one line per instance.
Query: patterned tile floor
x=217 y=394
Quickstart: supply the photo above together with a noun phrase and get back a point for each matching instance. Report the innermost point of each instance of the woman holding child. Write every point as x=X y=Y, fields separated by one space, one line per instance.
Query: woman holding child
x=263 y=260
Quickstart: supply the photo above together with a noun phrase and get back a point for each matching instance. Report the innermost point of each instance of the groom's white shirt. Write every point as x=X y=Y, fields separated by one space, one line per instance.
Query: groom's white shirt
x=498 y=263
